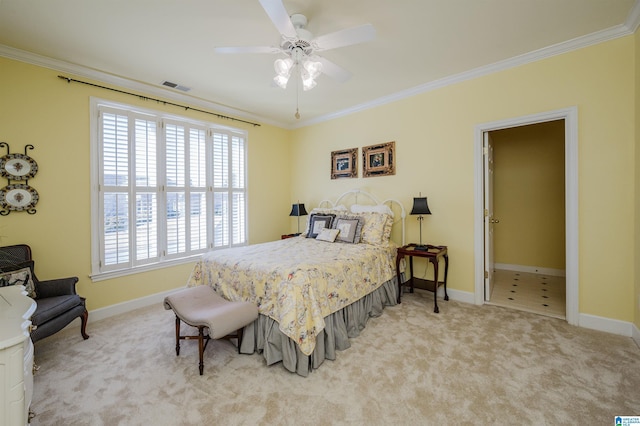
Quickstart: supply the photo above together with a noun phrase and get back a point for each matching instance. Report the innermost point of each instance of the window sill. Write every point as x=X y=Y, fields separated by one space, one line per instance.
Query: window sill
x=102 y=276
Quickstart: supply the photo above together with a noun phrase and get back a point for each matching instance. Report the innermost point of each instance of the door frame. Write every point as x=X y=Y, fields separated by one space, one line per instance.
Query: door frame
x=570 y=117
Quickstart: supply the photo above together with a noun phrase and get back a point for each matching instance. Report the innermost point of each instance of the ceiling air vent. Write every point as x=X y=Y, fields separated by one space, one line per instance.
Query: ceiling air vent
x=176 y=86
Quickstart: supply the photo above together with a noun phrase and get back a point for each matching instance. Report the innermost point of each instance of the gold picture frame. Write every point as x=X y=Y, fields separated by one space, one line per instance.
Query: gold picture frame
x=344 y=164
x=379 y=160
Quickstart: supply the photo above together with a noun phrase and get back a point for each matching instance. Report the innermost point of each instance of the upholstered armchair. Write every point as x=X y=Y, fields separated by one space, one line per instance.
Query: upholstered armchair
x=57 y=301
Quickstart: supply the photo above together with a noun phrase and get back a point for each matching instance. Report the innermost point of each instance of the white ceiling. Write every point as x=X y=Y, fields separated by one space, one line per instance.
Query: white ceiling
x=419 y=44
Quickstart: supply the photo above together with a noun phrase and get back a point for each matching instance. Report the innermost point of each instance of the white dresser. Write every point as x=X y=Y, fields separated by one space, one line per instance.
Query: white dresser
x=16 y=356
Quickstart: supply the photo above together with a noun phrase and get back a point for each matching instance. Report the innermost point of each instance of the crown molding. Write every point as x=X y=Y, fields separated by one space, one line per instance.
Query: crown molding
x=633 y=20
x=80 y=71
x=628 y=28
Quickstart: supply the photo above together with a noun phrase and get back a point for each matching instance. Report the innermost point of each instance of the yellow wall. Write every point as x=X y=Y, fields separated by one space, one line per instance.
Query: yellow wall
x=38 y=108
x=529 y=195
x=434 y=142
x=434 y=134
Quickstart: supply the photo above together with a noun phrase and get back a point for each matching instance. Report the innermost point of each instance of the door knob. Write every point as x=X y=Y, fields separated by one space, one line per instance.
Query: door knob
x=494 y=220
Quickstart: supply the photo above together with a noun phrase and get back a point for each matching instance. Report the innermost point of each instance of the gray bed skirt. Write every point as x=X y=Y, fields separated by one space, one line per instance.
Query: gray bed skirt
x=264 y=336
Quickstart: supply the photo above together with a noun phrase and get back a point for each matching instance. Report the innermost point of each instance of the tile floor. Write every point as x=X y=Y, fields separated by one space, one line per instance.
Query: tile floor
x=540 y=294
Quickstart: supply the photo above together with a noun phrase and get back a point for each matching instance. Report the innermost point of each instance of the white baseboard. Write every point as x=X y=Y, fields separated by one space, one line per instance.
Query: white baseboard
x=531 y=269
x=121 y=308
x=608 y=325
x=129 y=305
x=458 y=295
x=635 y=334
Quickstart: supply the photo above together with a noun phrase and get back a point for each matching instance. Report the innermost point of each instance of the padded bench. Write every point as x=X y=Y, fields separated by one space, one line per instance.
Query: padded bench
x=202 y=307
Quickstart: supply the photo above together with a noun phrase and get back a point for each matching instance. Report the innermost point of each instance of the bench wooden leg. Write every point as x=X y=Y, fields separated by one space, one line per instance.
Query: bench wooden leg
x=203 y=341
x=177 y=336
x=201 y=347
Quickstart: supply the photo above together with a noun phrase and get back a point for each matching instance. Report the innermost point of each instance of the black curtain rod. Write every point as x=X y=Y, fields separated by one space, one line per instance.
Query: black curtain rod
x=146 y=98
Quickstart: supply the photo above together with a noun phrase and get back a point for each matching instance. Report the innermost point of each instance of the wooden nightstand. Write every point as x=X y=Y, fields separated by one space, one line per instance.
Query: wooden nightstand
x=433 y=255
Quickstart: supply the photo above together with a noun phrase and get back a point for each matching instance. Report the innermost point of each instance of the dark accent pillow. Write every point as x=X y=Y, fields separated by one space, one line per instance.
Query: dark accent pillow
x=19 y=274
x=350 y=229
x=317 y=222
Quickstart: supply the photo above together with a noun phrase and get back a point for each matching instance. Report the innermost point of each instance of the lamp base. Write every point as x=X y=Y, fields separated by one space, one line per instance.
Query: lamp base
x=421 y=248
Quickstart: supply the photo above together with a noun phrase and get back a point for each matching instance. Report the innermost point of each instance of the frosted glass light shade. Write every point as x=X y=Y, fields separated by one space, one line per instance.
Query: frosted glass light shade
x=313 y=68
x=283 y=66
x=308 y=84
x=281 y=81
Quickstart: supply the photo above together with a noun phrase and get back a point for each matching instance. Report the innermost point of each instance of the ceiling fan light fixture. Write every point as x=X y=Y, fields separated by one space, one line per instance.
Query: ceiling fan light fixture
x=283 y=67
x=313 y=68
x=281 y=81
x=308 y=83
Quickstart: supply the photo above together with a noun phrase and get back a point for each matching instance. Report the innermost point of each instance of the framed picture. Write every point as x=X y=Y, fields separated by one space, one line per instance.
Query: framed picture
x=379 y=160
x=344 y=164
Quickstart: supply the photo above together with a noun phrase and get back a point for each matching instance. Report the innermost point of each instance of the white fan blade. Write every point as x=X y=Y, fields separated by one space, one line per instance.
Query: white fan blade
x=332 y=70
x=279 y=16
x=247 y=49
x=345 y=37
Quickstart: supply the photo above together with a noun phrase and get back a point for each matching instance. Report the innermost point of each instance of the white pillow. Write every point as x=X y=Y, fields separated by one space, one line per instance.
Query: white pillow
x=328 y=234
x=380 y=208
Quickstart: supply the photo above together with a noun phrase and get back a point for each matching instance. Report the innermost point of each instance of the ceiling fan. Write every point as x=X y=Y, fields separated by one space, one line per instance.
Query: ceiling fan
x=300 y=47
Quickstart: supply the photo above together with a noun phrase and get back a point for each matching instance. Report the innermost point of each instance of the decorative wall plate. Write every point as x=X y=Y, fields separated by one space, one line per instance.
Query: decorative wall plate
x=18 y=197
x=18 y=167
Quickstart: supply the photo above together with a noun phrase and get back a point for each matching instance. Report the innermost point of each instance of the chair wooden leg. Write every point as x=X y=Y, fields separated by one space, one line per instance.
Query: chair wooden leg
x=177 y=336
x=83 y=327
x=201 y=347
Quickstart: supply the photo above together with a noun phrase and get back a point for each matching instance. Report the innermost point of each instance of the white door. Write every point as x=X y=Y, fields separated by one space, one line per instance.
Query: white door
x=489 y=221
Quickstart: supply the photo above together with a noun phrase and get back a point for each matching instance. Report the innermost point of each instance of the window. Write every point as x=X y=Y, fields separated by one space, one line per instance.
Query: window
x=165 y=188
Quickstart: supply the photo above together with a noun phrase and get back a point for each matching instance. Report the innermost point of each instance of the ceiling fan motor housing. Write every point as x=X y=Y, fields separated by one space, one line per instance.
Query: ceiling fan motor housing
x=301 y=46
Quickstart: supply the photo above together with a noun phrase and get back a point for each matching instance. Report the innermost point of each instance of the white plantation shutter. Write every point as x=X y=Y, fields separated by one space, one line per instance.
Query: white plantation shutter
x=167 y=189
x=197 y=199
x=238 y=230
x=220 y=160
x=146 y=226
x=116 y=230
x=237 y=162
x=229 y=175
x=146 y=187
x=175 y=185
x=115 y=192
x=220 y=190
x=238 y=218
x=220 y=219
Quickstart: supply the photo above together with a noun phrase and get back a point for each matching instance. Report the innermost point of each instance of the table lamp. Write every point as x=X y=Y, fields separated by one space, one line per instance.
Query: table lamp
x=298 y=210
x=420 y=207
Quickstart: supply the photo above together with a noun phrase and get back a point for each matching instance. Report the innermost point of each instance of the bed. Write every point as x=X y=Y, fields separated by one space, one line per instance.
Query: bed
x=315 y=291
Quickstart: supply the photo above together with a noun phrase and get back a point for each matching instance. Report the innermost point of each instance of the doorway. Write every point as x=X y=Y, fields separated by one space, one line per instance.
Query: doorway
x=483 y=222
x=526 y=218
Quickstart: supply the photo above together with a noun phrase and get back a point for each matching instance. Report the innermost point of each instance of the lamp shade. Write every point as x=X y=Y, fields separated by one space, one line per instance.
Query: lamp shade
x=298 y=210
x=420 y=206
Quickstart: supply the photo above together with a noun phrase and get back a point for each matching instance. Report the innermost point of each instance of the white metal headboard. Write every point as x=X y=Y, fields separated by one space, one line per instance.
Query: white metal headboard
x=369 y=198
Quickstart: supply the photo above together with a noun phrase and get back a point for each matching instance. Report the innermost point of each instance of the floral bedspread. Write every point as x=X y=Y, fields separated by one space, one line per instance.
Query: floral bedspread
x=297 y=281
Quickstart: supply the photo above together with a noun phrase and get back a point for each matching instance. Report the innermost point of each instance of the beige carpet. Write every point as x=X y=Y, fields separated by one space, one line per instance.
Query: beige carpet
x=467 y=365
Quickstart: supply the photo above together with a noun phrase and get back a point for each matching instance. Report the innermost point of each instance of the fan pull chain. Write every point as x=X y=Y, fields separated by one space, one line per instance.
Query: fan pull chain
x=297 y=114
